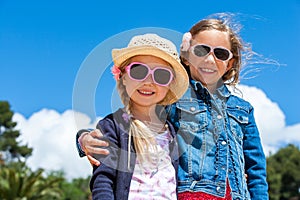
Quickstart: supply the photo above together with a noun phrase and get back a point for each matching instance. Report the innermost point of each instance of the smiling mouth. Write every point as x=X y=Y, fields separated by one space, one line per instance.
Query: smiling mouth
x=145 y=92
x=207 y=70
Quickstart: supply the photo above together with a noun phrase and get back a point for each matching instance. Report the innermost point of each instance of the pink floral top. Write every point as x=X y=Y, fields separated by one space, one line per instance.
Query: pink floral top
x=155 y=180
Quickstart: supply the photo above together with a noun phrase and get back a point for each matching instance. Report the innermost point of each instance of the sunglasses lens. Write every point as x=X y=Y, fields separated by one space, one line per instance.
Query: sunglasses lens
x=221 y=54
x=201 y=50
x=138 y=71
x=162 y=76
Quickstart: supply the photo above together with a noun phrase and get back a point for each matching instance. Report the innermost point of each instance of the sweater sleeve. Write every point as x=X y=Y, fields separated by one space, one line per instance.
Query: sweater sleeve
x=104 y=176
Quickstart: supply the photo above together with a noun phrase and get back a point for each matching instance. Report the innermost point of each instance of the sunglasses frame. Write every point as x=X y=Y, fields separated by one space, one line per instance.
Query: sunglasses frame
x=150 y=71
x=212 y=51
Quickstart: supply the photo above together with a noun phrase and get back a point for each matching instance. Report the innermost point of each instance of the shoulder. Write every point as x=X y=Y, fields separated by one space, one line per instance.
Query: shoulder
x=114 y=120
x=235 y=102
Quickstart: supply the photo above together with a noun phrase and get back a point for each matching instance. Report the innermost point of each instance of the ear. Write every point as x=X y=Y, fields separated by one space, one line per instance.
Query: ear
x=186 y=63
x=230 y=64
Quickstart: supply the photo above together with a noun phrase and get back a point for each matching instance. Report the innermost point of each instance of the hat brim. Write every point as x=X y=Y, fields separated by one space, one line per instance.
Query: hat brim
x=177 y=86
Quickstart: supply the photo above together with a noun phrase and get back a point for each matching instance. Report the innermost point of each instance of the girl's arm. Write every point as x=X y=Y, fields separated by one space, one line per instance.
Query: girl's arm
x=89 y=142
x=255 y=161
x=102 y=183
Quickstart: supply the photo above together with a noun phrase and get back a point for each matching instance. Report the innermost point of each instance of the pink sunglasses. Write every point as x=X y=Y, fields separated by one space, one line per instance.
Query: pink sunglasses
x=139 y=72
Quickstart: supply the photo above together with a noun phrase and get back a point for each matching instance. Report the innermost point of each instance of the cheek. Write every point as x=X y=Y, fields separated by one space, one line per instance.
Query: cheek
x=129 y=85
x=130 y=89
x=201 y=61
x=193 y=60
x=222 y=66
x=163 y=91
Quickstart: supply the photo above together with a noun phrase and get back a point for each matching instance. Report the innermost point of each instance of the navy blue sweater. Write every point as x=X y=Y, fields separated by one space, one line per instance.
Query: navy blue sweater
x=111 y=180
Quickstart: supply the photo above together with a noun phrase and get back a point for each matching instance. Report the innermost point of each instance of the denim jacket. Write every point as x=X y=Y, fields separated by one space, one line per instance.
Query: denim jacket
x=218 y=141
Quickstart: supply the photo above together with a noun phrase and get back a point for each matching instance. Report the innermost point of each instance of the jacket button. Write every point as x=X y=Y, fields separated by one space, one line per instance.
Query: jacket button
x=192 y=109
x=219 y=116
x=218 y=189
x=223 y=142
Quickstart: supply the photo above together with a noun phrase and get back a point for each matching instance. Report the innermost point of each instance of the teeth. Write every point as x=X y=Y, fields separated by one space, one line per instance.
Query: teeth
x=145 y=92
x=207 y=70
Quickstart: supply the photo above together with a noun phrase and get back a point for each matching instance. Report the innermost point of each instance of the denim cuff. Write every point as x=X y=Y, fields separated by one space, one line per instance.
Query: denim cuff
x=79 y=133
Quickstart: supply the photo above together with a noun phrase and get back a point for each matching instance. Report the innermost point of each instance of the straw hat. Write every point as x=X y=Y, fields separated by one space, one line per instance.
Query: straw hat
x=154 y=45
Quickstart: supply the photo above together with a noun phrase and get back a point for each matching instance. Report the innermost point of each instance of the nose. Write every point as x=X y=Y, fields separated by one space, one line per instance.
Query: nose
x=210 y=57
x=149 y=79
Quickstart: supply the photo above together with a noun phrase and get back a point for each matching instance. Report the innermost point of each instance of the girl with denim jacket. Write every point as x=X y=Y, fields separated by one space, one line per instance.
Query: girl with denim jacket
x=221 y=155
x=218 y=138
x=143 y=159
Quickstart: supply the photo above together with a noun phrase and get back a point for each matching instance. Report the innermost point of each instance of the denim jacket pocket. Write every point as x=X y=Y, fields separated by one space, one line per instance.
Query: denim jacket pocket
x=238 y=117
x=193 y=115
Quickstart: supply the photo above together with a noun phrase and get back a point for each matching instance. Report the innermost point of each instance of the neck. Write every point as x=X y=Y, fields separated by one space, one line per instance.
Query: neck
x=213 y=87
x=144 y=113
x=150 y=118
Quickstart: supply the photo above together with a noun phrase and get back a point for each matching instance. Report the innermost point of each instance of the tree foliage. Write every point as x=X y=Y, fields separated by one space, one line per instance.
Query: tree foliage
x=10 y=148
x=20 y=182
x=76 y=189
x=283 y=169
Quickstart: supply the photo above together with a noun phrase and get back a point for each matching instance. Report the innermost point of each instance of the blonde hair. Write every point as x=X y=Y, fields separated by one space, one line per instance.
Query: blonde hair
x=143 y=138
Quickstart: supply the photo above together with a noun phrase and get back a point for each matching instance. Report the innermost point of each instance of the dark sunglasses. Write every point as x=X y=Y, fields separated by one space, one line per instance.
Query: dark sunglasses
x=139 y=72
x=221 y=53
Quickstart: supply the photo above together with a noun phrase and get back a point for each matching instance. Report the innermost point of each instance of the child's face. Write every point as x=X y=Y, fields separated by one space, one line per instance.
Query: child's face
x=208 y=69
x=146 y=92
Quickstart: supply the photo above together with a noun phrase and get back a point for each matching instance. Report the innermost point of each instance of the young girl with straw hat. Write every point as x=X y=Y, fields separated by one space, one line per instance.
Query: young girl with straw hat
x=143 y=159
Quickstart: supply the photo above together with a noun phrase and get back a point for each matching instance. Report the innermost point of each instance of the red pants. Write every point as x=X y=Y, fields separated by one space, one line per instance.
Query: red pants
x=204 y=196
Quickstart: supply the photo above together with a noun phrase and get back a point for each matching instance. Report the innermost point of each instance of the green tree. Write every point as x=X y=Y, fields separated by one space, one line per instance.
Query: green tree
x=283 y=173
x=18 y=182
x=10 y=148
x=77 y=189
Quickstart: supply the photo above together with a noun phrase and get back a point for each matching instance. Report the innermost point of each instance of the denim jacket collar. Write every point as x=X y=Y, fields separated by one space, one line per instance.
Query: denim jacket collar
x=222 y=90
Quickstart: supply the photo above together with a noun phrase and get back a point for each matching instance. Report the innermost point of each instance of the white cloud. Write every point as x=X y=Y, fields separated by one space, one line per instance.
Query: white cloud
x=270 y=120
x=52 y=135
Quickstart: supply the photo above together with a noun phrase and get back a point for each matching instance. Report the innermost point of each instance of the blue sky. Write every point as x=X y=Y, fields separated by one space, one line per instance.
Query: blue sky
x=45 y=44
